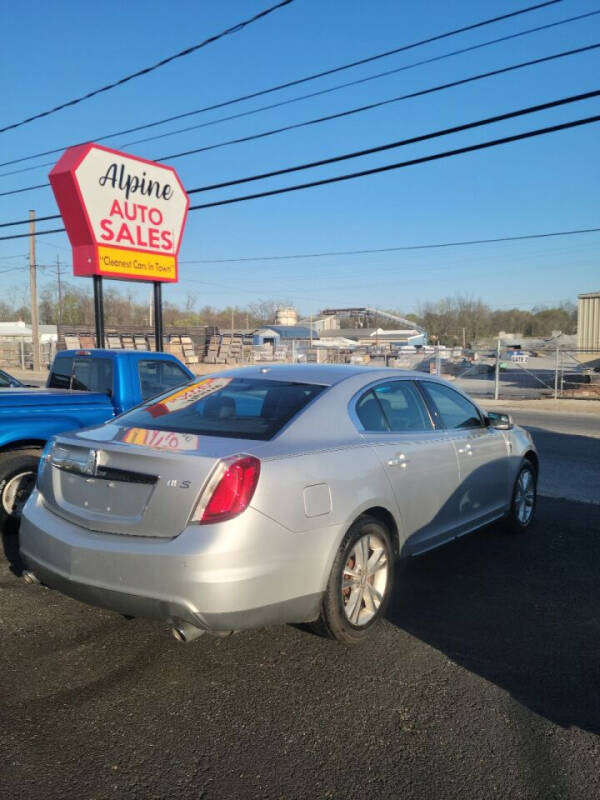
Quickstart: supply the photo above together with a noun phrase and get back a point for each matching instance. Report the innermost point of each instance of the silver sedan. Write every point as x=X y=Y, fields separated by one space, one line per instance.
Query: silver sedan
x=267 y=495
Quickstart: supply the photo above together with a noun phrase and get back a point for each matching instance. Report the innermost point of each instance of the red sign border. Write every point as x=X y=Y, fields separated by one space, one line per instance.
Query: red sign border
x=77 y=222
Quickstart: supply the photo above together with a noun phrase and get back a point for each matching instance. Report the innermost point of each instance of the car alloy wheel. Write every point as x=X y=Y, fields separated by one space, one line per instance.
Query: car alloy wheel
x=524 y=501
x=359 y=584
x=522 y=509
x=364 y=579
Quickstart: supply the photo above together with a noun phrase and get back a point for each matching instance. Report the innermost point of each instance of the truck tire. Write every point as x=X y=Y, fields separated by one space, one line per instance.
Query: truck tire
x=18 y=471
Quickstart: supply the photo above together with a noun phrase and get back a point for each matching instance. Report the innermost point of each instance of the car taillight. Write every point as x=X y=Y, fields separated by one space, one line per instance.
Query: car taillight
x=44 y=460
x=229 y=491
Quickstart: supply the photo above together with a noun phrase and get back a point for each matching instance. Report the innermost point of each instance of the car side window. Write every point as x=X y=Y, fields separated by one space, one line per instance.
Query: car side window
x=370 y=413
x=403 y=406
x=454 y=409
x=395 y=406
x=4 y=379
x=156 y=376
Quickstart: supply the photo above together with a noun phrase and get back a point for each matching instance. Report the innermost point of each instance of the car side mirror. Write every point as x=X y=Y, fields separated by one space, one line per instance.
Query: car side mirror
x=500 y=421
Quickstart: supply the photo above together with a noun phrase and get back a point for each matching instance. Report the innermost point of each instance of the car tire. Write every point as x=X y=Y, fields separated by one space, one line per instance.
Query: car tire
x=523 y=501
x=356 y=597
x=18 y=471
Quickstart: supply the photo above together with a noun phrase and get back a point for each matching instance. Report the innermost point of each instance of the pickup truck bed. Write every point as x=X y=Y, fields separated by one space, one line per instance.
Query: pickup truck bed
x=50 y=410
x=85 y=389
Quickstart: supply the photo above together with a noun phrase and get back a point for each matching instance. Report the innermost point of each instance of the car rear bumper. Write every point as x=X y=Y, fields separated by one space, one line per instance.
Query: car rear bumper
x=245 y=573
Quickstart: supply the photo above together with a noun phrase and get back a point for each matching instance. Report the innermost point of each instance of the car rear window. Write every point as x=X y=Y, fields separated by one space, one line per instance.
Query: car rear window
x=92 y=375
x=232 y=407
x=60 y=377
x=82 y=373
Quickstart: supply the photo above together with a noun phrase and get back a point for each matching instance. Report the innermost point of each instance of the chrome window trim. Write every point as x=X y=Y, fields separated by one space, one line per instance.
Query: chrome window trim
x=352 y=403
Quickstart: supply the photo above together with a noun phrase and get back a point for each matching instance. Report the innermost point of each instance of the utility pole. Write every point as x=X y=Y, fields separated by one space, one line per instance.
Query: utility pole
x=464 y=340
x=497 y=371
x=556 y=375
x=35 y=322
x=59 y=282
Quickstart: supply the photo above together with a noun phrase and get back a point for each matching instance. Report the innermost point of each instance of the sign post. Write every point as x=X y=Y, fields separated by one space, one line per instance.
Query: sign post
x=98 y=310
x=158 y=326
x=124 y=217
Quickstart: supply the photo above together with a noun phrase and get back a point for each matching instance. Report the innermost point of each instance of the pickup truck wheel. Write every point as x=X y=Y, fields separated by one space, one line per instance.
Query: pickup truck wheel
x=18 y=471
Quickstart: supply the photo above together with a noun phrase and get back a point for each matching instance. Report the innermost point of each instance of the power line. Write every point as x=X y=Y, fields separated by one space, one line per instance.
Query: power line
x=331 y=89
x=391 y=145
x=349 y=112
x=321 y=92
x=23 y=221
x=37 y=233
x=186 y=52
x=402 y=248
x=401 y=164
x=372 y=150
x=375 y=170
x=25 y=189
x=297 y=81
x=379 y=104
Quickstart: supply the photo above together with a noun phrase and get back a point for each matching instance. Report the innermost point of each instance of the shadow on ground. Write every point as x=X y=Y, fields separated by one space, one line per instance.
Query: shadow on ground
x=10 y=545
x=522 y=611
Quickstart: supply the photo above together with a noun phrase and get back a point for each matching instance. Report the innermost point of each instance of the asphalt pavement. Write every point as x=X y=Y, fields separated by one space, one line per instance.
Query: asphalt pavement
x=569 y=449
x=483 y=682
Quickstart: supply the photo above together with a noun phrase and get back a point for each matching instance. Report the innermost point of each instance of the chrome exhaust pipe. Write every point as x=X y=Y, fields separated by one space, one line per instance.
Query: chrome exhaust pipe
x=30 y=577
x=184 y=632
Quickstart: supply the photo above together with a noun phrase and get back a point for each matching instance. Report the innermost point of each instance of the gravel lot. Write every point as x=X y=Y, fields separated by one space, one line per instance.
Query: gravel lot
x=484 y=682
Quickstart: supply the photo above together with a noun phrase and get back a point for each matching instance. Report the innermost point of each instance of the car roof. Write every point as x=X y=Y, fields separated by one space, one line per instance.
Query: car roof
x=321 y=374
x=105 y=353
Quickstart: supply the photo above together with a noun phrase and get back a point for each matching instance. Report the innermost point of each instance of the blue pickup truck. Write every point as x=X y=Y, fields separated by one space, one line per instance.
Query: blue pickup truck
x=85 y=387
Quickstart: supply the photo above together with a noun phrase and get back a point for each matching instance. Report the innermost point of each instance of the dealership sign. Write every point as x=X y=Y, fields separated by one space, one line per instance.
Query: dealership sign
x=124 y=215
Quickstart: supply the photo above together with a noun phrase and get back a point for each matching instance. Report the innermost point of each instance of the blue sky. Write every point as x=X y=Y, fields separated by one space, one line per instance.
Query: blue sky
x=55 y=51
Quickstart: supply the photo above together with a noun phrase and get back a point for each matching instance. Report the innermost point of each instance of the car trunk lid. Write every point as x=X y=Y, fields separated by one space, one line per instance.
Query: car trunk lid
x=136 y=491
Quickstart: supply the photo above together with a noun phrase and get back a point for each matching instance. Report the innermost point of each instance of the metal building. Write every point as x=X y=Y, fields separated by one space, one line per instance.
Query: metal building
x=588 y=321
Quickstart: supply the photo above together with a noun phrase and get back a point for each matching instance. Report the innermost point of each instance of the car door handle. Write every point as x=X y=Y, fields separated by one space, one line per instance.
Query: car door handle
x=467 y=450
x=399 y=460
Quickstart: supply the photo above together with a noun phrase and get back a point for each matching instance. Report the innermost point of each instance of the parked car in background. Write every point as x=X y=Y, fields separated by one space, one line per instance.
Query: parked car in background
x=8 y=381
x=272 y=494
x=85 y=387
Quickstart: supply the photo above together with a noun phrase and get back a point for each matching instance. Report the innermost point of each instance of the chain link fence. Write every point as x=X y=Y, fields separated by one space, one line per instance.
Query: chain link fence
x=17 y=352
x=504 y=374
